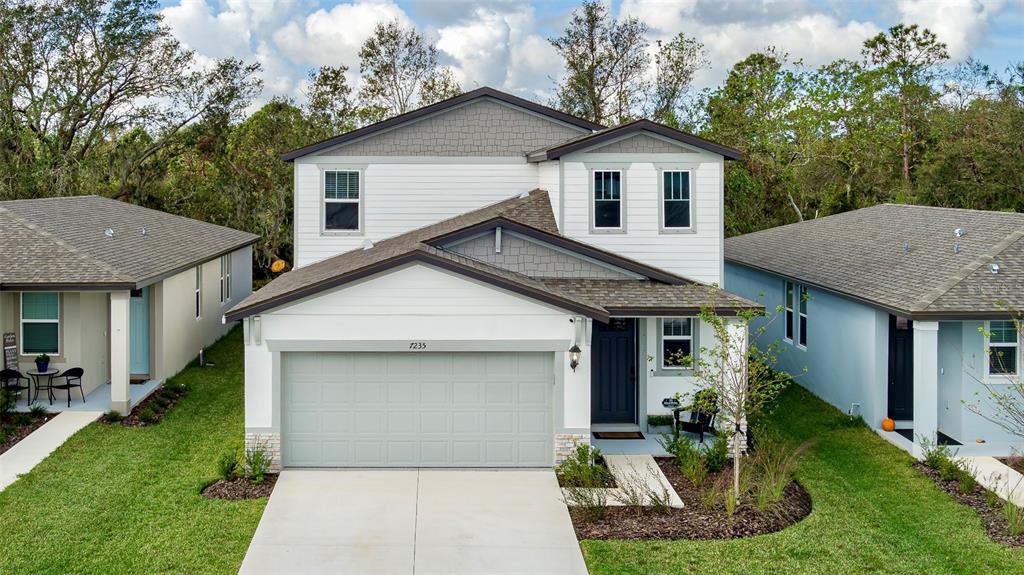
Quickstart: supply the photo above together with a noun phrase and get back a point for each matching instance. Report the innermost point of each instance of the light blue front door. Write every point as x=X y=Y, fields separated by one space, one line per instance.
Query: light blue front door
x=138 y=352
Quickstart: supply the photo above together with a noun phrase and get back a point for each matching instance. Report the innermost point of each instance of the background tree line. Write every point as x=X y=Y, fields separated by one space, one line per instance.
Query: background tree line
x=97 y=97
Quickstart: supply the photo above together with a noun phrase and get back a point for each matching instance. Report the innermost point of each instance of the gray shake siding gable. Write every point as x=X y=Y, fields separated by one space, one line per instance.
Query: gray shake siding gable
x=481 y=128
x=640 y=144
x=532 y=259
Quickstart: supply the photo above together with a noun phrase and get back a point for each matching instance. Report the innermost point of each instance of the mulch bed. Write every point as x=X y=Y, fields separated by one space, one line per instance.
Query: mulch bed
x=24 y=431
x=694 y=521
x=992 y=518
x=241 y=488
x=152 y=403
x=1015 y=462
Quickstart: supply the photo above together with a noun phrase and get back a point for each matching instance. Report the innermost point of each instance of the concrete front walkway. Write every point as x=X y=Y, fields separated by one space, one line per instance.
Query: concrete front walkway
x=21 y=458
x=415 y=521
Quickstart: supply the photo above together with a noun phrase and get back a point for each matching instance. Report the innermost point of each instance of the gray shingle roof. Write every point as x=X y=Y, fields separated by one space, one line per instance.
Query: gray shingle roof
x=586 y=141
x=531 y=211
x=626 y=297
x=900 y=257
x=62 y=242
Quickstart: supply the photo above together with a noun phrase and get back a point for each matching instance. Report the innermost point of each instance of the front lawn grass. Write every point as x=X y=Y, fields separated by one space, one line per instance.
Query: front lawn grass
x=115 y=499
x=873 y=513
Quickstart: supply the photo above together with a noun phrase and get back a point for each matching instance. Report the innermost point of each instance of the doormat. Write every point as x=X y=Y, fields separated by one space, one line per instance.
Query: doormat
x=618 y=435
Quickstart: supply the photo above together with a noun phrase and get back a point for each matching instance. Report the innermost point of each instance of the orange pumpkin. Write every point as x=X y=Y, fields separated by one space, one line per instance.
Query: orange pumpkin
x=278 y=266
x=888 y=424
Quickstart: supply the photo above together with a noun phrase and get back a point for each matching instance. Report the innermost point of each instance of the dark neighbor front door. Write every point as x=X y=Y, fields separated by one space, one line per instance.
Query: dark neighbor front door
x=613 y=372
x=901 y=368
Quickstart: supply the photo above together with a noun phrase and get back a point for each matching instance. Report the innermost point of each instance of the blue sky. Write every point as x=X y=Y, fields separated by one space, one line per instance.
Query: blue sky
x=503 y=43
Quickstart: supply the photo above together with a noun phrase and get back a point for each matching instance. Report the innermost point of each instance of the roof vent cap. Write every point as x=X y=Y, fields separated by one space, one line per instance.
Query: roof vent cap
x=143 y=230
x=959 y=232
x=993 y=267
x=906 y=247
x=367 y=244
x=109 y=232
x=956 y=248
x=524 y=195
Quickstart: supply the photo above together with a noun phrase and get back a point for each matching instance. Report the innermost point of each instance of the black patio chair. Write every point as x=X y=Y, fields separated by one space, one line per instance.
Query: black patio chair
x=696 y=420
x=10 y=380
x=72 y=378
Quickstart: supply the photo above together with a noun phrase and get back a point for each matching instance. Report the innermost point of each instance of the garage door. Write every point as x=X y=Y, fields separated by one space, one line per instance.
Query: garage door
x=417 y=409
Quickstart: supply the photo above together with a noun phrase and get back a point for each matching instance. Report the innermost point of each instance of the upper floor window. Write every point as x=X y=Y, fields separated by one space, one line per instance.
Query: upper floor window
x=608 y=199
x=40 y=323
x=341 y=200
x=225 y=278
x=675 y=212
x=199 y=291
x=1004 y=348
x=676 y=343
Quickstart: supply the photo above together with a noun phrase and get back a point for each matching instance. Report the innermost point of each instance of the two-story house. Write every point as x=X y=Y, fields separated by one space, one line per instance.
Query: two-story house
x=483 y=282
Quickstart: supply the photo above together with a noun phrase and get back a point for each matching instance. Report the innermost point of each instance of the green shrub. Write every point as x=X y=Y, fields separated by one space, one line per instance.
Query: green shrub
x=687 y=456
x=21 y=419
x=716 y=453
x=773 y=464
x=7 y=401
x=38 y=410
x=112 y=417
x=1014 y=519
x=659 y=420
x=162 y=401
x=581 y=468
x=991 y=499
x=965 y=481
x=948 y=470
x=257 y=463
x=227 y=466
x=148 y=414
x=934 y=454
x=592 y=504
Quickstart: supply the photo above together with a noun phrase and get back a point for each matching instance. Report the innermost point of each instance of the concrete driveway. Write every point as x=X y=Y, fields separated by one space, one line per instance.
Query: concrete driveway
x=415 y=521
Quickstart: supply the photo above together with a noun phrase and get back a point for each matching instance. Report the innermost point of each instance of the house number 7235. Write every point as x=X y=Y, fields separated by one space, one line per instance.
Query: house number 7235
x=417 y=345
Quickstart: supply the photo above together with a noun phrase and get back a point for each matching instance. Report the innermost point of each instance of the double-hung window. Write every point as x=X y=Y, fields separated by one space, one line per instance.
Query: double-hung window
x=675 y=190
x=790 y=308
x=1004 y=348
x=796 y=313
x=677 y=343
x=802 y=307
x=608 y=200
x=199 y=291
x=225 y=278
x=341 y=200
x=40 y=323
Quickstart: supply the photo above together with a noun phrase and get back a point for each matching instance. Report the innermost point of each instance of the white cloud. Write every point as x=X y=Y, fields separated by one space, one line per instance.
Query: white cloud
x=334 y=37
x=960 y=24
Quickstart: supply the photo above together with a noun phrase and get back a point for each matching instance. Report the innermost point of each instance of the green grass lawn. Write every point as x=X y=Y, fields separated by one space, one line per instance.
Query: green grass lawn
x=122 y=500
x=873 y=513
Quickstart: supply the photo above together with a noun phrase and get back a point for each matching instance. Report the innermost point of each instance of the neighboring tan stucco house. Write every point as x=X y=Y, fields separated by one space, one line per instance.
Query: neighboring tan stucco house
x=896 y=310
x=124 y=292
x=451 y=260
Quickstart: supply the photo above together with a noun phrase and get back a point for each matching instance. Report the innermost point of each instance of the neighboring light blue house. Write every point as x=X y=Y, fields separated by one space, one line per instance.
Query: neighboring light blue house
x=895 y=310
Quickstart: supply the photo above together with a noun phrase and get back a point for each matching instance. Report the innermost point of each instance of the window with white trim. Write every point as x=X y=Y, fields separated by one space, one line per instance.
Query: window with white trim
x=608 y=199
x=790 y=295
x=199 y=291
x=225 y=278
x=675 y=211
x=1004 y=348
x=40 y=323
x=341 y=200
x=676 y=343
x=802 y=314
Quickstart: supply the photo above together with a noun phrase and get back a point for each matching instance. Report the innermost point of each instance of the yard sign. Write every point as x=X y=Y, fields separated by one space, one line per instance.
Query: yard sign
x=10 y=351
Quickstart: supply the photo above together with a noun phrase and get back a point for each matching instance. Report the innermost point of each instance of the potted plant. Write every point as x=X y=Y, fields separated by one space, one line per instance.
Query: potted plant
x=42 y=362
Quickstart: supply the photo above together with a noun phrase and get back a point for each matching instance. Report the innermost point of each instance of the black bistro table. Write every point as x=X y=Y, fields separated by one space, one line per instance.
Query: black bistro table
x=37 y=376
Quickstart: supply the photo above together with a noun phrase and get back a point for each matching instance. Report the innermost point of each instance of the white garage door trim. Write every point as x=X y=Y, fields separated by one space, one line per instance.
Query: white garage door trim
x=428 y=409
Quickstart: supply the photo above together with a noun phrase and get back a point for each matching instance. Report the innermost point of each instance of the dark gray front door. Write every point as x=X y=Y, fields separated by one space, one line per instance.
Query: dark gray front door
x=613 y=372
x=901 y=368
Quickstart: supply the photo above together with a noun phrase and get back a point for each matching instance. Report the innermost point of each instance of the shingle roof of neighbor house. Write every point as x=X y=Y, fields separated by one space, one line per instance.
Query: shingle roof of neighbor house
x=595 y=134
x=907 y=259
x=529 y=213
x=62 y=243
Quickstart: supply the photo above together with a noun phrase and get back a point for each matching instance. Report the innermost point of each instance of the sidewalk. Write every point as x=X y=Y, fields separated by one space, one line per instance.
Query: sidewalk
x=998 y=477
x=21 y=458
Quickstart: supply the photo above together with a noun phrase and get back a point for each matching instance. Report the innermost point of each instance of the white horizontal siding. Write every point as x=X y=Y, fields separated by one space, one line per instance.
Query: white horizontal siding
x=401 y=197
x=696 y=255
x=549 y=180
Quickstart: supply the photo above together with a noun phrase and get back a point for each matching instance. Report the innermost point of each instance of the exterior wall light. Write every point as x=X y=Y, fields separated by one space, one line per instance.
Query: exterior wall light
x=574 y=356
